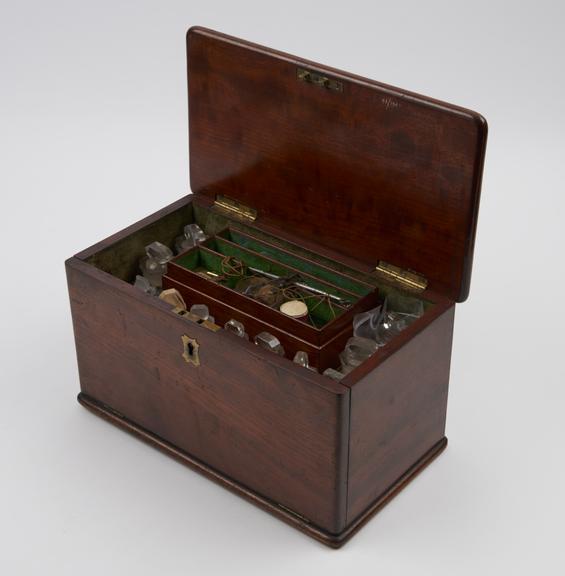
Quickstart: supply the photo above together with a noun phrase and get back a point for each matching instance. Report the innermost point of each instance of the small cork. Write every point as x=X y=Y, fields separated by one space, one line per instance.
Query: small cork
x=294 y=309
x=173 y=297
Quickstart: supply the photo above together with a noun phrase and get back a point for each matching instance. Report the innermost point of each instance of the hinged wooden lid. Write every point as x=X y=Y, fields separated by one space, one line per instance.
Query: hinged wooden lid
x=368 y=170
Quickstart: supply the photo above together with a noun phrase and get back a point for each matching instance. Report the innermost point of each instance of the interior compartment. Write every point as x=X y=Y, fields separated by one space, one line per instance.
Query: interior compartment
x=264 y=248
x=276 y=262
x=213 y=254
x=121 y=259
x=320 y=312
x=320 y=356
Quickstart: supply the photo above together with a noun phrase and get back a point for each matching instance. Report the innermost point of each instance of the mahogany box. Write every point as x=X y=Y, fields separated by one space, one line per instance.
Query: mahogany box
x=358 y=183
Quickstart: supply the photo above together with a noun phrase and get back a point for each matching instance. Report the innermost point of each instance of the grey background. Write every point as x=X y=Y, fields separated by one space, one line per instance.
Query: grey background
x=93 y=136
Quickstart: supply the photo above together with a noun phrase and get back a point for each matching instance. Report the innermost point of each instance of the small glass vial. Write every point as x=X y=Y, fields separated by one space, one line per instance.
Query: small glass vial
x=236 y=328
x=333 y=374
x=269 y=342
x=301 y=358
x=201 y=310
x=192 y=235
x=356 y=351
x=143 y=284
x=154 y=264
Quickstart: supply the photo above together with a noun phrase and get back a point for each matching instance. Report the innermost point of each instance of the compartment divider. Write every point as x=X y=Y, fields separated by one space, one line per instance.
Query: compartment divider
x=332 y=288
x=324 y=273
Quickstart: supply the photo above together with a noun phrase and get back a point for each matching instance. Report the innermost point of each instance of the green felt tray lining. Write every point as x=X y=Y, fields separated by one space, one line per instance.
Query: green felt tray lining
x=272 y=265
x=285 y=257
x=320 y=311
x=213 y=223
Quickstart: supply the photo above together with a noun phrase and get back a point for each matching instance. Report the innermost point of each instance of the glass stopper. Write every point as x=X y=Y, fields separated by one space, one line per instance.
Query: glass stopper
x=201 y=310
x=269 y=342
x=236 y=328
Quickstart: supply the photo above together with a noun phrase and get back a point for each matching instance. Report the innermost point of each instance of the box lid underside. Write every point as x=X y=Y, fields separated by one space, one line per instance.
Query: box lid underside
x=365 y=169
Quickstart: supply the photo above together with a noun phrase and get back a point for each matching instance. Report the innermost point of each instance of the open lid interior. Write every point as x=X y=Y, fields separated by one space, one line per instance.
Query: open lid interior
x=367 y=170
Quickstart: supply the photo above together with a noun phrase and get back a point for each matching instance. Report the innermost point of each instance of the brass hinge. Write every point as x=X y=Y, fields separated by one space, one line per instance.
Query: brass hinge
x=407 y=279
x=235 y=209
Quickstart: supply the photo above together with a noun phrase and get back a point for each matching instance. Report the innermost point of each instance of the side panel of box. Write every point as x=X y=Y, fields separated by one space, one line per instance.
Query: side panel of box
x=269 y=425
x=398 y=414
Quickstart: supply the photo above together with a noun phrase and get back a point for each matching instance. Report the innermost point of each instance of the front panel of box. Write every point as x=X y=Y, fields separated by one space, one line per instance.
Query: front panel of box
x=249 y=414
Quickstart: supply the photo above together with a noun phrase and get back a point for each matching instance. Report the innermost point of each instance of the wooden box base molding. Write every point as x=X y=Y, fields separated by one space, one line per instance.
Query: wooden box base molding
x=291 y=518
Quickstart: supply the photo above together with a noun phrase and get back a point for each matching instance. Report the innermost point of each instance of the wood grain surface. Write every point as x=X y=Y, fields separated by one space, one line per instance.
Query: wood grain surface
x=374 y=172
x=398 y=412
x=272 y=426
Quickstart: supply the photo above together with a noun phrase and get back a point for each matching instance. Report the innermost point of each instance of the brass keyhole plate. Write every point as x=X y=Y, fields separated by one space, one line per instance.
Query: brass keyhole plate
x=190 y=350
